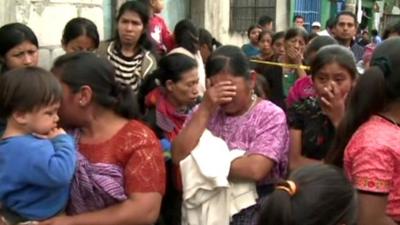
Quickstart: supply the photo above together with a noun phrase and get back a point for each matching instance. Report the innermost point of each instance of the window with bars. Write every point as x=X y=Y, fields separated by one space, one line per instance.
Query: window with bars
x=246 y=12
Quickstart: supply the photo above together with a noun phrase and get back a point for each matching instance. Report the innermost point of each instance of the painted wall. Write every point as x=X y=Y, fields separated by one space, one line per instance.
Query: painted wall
x=109 y=15
x=174 y=11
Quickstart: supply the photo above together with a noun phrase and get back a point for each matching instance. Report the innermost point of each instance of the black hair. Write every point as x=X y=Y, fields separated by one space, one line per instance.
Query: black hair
x=298 y=17
x=205 y=38
x=263 y=33
x=277 y=36
x=170 y=67
x=312 y=35
x=346 y=13
x=323 y=196
x=187 y=36
x=374 y=32
x=377 y=88
x=262 y=88
x=12 y=35
x=334 y=53
x=264 y=20
x=147 y=3
x=143 y=11
x=317 y=43
x=251 y=27
x=392 y=28
x=85 y=68
x=80 y=26
x=27 y=89
x=296 y=31
x=228 y=58
x=330 y=23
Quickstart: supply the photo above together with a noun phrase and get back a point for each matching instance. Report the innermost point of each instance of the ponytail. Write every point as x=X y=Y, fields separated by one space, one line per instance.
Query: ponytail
x=315 y=195
x=126 y=102
x=84 y=68
x=278 y=209
x=149 y=83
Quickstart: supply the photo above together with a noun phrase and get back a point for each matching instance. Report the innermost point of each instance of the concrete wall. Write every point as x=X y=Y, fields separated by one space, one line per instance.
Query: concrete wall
x=282 y=15
x=47 y=19
x=7 y=14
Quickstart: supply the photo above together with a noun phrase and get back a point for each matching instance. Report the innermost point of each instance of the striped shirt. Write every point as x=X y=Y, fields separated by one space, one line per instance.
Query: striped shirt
x=358 y=51
x=127 y=69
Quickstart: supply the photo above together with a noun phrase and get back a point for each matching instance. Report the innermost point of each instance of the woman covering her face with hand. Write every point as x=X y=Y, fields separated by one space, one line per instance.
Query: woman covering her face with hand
x=314 y=120
x=231 y=110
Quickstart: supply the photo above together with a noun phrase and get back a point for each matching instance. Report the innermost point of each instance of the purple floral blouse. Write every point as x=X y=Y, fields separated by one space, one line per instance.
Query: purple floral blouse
x=263 y=130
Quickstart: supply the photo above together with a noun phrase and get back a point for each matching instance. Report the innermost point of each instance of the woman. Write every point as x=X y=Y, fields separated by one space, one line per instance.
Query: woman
x=80 y=34
x=231 y=111
x=170 y=102
x=313 y=195
x=303 y=87
x=18 y=47
x=187 y=41
x=120 y=177
x=313 y=121
x=207 y=44
x=251 y=49
x=368 y=144
x=166 y=108
x=129 y=52
x=265 y=48
x=295 y=43
x=278 y=40
x=280 y=79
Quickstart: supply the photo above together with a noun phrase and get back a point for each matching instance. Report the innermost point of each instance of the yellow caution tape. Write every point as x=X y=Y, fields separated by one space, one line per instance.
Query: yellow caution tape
x=286 y=65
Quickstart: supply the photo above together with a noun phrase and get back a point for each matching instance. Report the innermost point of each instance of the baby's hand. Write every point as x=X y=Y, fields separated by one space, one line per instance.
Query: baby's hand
x=55 y=132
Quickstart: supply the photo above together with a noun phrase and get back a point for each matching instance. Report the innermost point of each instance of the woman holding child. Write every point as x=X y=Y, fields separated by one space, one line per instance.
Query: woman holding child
x=120 y=177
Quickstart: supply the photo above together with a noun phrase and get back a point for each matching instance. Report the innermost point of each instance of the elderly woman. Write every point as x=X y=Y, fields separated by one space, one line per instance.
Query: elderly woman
x=231 y=111
x=120 y=179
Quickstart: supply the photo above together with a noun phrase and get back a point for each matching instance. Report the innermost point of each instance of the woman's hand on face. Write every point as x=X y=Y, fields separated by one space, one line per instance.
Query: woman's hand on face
x=294 y=55
x=59 y=220
x=220 y=93
x=333 y=104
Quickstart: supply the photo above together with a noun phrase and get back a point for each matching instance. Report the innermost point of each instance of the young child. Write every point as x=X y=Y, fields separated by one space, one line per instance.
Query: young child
x=37 y=159
x=158 y=29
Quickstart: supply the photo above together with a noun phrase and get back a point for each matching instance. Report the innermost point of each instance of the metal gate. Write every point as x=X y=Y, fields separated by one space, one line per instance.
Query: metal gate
x=310 y=10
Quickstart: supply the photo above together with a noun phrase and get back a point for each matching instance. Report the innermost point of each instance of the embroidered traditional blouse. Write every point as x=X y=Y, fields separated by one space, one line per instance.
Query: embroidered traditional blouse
x=131 y=160
x=372 y=161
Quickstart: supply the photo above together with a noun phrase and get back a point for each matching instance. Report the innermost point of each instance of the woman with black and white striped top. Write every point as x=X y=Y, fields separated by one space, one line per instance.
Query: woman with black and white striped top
x=129 y=52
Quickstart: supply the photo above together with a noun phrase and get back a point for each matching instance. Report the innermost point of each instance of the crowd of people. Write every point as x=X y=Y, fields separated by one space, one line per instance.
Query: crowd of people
x=310 y=122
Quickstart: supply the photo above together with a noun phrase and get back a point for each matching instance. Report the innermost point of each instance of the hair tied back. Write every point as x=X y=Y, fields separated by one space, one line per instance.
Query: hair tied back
x=384 y=65
x=288 y=186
